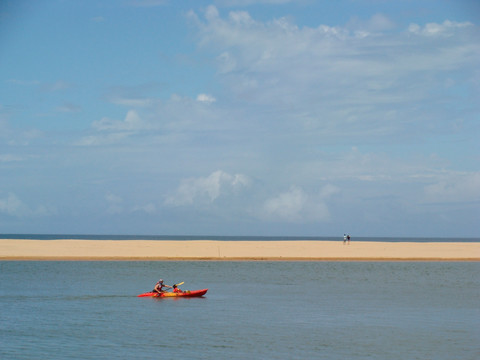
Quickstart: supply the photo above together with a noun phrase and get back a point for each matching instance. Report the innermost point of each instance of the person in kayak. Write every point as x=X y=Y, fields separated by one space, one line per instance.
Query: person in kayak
x=176 y=289
x=159 y=287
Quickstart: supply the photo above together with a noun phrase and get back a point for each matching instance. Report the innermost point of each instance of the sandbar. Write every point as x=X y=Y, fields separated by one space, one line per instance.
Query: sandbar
x=68 y=249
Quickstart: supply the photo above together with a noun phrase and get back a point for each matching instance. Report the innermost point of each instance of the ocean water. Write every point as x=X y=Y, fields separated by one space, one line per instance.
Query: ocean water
x=229 y=238
x=253 y=310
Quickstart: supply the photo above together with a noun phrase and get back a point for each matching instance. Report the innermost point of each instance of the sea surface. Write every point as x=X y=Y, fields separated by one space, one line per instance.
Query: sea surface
x=253 y=310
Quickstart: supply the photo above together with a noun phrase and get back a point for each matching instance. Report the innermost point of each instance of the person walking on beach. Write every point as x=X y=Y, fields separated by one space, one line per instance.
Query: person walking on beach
x=159 y=287
x=344 y=238
x=348 y=239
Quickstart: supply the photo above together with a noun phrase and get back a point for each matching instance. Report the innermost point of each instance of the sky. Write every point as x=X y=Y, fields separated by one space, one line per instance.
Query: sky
x=245 y=118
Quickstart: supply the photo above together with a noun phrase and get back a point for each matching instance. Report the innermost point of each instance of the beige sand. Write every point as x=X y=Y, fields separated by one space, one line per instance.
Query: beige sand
x=234 y=250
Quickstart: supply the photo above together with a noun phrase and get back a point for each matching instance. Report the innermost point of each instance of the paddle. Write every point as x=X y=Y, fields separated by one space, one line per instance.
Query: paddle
x=183 y=282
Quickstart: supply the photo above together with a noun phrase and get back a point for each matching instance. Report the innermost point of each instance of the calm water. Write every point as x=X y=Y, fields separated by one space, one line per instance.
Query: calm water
x=260 y=310
x=229 y=238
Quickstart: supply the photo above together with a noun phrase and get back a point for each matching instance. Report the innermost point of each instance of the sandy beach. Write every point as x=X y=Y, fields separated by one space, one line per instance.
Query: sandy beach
x=235 y=250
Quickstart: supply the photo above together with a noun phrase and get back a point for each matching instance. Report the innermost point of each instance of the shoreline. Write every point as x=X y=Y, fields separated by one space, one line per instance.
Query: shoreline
x=215 y=250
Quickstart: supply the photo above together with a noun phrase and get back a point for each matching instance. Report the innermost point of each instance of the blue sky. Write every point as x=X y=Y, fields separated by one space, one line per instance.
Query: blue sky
x=228 y=117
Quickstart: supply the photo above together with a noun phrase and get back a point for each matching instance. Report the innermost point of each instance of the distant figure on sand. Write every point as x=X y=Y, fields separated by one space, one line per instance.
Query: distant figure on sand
x=344 y=238
x=348 y=239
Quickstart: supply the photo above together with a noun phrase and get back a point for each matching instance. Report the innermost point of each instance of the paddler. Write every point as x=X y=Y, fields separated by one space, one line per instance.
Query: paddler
x=176 y=289
x=159 y=287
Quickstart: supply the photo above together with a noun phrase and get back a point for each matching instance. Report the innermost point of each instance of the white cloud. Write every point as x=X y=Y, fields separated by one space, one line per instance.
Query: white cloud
x=226 y=62
x=286 y=206
x=296 y=206
x=329 y=80
x=447 y=28
x=13 y=206
x=207 y=189
x=131 y=122
x=328 y=190
x=176 y=119
x=206 y=98
x=109 y=131
x=211 y=13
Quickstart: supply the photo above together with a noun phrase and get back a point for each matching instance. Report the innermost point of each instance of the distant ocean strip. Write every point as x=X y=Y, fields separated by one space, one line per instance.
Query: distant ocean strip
x=231 y=238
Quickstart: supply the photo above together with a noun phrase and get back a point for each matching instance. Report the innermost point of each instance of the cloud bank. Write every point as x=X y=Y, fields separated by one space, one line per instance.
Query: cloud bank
x=261 y=124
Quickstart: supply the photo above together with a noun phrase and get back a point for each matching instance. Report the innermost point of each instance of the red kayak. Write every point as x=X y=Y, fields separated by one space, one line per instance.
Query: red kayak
x=187 y=293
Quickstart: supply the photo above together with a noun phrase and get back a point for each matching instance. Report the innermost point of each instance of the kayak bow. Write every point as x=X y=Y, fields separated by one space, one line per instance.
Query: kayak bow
x=186 y=293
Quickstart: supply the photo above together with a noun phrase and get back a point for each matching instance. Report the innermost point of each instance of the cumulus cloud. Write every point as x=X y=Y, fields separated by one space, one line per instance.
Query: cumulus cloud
x=12 y=205
x=206 y=98
x=109 y=131
x=131 y=122
x=207 y=189
x=296 y=206
x=179 y=117
x=286 y=206
x=291 y=91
